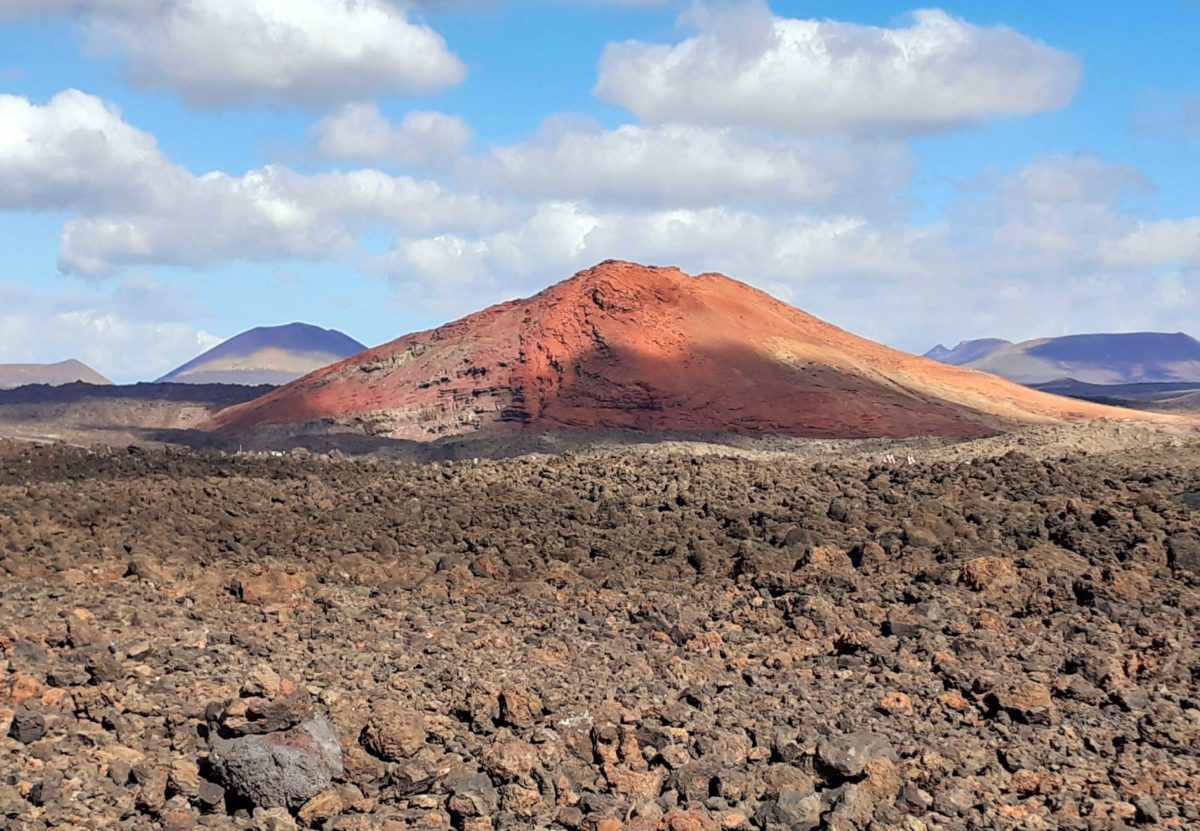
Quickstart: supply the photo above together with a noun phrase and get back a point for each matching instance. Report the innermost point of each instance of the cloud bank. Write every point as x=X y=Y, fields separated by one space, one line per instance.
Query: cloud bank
x=748 y=67
x=221 y=53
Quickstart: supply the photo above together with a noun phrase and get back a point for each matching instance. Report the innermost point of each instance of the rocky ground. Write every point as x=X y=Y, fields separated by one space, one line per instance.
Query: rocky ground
x=600 y=641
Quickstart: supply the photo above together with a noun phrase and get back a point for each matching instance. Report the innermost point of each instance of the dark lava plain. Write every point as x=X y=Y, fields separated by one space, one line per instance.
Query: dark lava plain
x=600 y=641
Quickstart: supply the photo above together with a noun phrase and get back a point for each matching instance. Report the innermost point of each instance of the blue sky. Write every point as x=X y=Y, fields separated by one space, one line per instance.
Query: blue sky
x=1016 y=170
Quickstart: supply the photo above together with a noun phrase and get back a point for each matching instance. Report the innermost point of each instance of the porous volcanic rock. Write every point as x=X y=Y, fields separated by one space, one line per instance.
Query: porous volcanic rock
x=282 y=769
x=624 y=346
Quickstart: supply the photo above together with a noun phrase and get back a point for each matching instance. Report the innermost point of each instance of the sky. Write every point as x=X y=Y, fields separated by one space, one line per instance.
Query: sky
x=173 y=172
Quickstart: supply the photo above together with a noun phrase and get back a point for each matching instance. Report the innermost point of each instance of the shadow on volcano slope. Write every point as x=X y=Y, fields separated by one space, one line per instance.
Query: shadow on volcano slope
x=624 y=346
x=633 y=398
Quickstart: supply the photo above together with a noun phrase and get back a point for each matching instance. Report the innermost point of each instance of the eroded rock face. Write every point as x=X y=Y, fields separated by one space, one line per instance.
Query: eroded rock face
x=283 y=769
x=624 y=346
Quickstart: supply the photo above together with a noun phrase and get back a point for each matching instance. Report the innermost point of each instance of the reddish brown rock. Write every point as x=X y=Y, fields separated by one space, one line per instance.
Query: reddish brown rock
x=990 y=574
x=510 y=758
x=394 y=732
x=1026 y=701
x=604 y=653
x=322 y=807
x=272 y=588
x=520 y=707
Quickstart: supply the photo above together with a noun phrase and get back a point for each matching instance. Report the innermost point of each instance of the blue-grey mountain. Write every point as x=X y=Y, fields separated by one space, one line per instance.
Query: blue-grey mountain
x=1122 y=358
x=267 y=355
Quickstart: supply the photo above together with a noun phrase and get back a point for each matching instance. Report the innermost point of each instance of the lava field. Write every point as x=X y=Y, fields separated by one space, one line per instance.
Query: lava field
x=600 y=641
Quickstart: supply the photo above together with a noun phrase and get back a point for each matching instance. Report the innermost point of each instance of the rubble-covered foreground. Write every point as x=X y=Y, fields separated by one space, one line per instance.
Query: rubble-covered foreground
x=602 y=642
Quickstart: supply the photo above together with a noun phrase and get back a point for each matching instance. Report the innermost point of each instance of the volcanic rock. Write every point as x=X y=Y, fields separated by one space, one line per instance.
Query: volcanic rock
x=27 y=727
x=1183 y=551
x=283 y=769
x=624 y=346
x=393 y=733
x=322 y=807
x=848 y=755
x=605 y=677
x=1026 y=701
x=792 y=811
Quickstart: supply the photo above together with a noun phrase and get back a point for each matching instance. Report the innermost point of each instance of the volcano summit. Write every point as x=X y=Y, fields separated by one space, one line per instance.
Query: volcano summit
x=625 y=346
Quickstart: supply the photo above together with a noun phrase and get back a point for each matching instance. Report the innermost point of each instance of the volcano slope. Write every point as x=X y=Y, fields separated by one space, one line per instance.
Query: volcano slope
x=634 y=641
x=652 y=349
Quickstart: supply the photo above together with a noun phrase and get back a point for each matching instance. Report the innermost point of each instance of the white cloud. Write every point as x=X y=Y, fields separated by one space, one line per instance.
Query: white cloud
x=1078 y=179
x=76 y=153
x=1048 y=248
x=488 y=4
x=270 y=213
x=1058 y=209
x=748 y=67
x=676 y=165
x=1053 y=249
x=361 y=133
x=1156 y=242
x=456 y=273
x=36 y=8
x=233 y=52
x=137 y=330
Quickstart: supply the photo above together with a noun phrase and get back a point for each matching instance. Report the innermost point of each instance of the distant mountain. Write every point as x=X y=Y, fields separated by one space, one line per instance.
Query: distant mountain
x=1126 y=358
x=64 y=372
x=267 y=355
x=967 y=351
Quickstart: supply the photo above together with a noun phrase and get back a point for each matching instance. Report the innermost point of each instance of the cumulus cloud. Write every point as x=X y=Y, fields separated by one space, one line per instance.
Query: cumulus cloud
x=233 y=52
x=35 y=8
x=1054 y=244
x=76 y=153
x=139 y=329
x=1152 y=243
x=1058 y=209
x=1053 y=249
x=451 y=272
x=487 y=4
x=686 y=166
x=361 y=133
x=267 y=214
x=747 y=66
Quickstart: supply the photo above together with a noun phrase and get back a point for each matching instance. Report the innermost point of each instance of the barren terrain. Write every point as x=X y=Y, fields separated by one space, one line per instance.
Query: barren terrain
x=999 y=634
x=91 y=414
x=626 y=346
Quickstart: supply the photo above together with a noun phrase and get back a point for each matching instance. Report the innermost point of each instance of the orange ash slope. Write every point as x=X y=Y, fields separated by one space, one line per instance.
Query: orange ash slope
x=628 y=346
